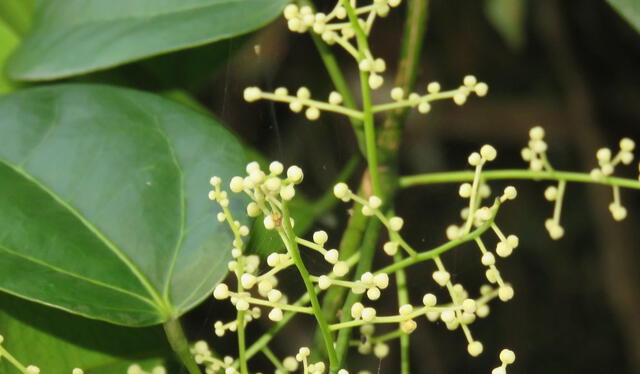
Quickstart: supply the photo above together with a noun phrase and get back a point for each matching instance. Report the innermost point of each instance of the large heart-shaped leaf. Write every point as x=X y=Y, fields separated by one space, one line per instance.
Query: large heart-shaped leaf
x=72 y=37
x=57 y=341
x=103 y=202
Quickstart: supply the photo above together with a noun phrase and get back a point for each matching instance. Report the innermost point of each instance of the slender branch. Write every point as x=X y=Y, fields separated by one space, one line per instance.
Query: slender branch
x=464 y=176
x=180 y=345
x=403 y=298
x=287 y=235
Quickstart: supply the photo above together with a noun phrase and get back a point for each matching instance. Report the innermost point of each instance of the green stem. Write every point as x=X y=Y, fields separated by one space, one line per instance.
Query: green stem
x=5 y=354
x=287 y=235
x=367 y=250
x=274 y=360
x=433 y=253
x=403 y=298
x=242 y=357
x=180 y=345
x=464 y=176
x=338 y=80
x=367 y=111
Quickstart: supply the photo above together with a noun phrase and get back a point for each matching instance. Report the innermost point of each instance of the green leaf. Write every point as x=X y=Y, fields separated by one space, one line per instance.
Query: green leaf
x=8 y=41
x=17 y=14
x=71 y=37
x=57 y=341
x=103 y=202
x=507 y=17
x=629 y=10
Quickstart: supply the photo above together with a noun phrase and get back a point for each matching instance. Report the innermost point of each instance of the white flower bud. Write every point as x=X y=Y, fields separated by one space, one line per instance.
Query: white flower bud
x=429 y=300
x=481 y=89
x=237 y=184
x=488 y=152
x=356 y=310
x=252 y=94
x=320 y=237
x=433 y=87
x=247 y=280
x=268 y=222
x=375 y=202
x=390 y=248
x=488 y=259
x=536 y=133
x=396 y=223
x=507 y=356
x=397 y=93
x=221 y=291
x=276 y=168
x=381 y=280
x=373 y=293
x=294 y=174
x=312 y=113
x=380 y=350
x=335 y=98
x=324 y=282
x=290 y=364
x=275 y=315
x=475 y=348
x=331 y=256
x=474 y=159
x=368 y=314
x=341 y=190
x=505 y=293
x=627 y=145
x=287 y=192
x=469 y=81
x=341 y=268
x=441 y=277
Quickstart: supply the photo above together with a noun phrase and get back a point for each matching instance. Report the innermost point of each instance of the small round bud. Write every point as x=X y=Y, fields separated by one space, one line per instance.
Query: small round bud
x=429 y=300
x=303 y=93
x=221 y=291
x=375 y=81
x=324 y=282
x=469 y=305
x=551 y=193
x=627 y=145
x=424 y=108
x=447 y=316
x=469 y=81
x=536 y=133
x=287 y=192
x=475 y=348
x=368 y=314
x=247 y=280
x=252 y=94
x=269 y=223
x=396 y=223
x=481 y=89
x=331 y=256
x=474 y=159
x=320 y=237
x=405 y=309
x=341 y=190
x=335 y=98
x=459 y=98
x=397 y=93
x=32 y=369
x=275 y=315
x=507 y=356
x=381 y=280
x=341 y=268
x=505 y=293
x=281 y=91
x=433 y=87
x=373 y=293
x=510 y=193
x=380 y=350
x=488 y=259
x=237 y=184
x=503 y=249
x=276 y=168
x=465 y=190
x=441 y=277
x=603 y=155
x=312 y=113
x=488 y=152
x=290 y=364
x=294 y=174
x=390 y=248
x=375 y=202
x=356 y=310
x=77 y=371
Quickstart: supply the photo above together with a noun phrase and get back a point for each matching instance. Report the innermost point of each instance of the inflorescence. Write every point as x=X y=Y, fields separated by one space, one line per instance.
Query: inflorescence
x=271 y=190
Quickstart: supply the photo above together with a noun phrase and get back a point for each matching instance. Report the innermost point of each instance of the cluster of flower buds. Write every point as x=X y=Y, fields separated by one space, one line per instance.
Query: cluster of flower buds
x=368 y=344
x=308 y=368
x=555 y=194
x=536 y=151
x=137 y=369
x=607 y=162
x=203 y=356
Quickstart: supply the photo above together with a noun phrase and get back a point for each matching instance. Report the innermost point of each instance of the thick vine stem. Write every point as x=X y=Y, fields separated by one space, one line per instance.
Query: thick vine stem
x=180 y=345
x=464 y=176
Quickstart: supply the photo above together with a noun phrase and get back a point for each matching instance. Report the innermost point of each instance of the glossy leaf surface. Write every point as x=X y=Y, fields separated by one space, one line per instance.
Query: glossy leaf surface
x=103 y=202
x=71 y=37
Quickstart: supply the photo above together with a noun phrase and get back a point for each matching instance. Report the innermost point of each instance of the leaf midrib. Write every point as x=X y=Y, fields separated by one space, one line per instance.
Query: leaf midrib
x=158 y=301
x=74 y=275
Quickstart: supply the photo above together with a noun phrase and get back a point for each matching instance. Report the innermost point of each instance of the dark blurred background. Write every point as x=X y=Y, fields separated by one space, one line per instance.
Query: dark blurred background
x=570 y=66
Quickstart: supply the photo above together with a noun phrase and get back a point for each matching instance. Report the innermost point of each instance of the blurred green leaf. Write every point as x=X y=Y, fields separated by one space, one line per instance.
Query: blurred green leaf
x=507 y=17
x=17 y=14
x=8 y=41
x=71 y=37
x=103 y=202
x=57 y=341
x=629 y=10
